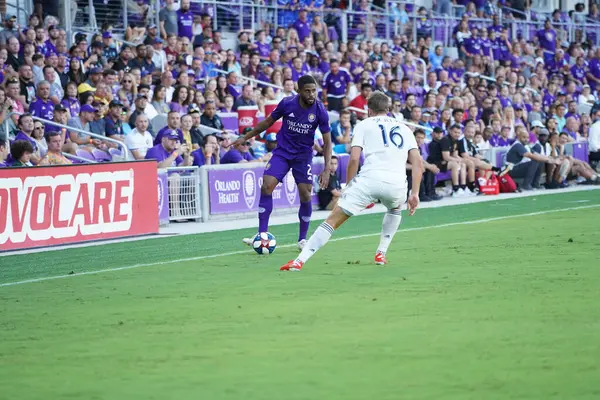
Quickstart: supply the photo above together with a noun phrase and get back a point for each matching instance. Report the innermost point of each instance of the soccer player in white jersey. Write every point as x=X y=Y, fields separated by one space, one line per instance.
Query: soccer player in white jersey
x=388 y=145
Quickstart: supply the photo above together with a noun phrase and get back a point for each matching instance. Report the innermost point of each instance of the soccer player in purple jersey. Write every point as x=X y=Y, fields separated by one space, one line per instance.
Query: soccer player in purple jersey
x=301 y=114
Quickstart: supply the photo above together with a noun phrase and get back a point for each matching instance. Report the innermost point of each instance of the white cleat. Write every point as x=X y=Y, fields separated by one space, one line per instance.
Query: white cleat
x=247 y=241
x=459 y=193
x=301 y=244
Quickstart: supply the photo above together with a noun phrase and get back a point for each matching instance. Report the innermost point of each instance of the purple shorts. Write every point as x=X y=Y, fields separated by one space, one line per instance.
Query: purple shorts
x=279 y=166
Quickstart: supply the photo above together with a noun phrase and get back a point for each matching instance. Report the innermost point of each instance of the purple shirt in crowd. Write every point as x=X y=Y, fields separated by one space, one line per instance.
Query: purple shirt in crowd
x=22 y=136
x=494 y=140
x=336 y=84
x=296 y=136
x=200 y=159
x=578 y=72
x=185 y=22
x=42 y=109
x=263 y=49
x=72 y=104
x=159 y=154
x=502 y=142
x=164 y=131
x=234 y=156
x=547 y=39
x=303 y=29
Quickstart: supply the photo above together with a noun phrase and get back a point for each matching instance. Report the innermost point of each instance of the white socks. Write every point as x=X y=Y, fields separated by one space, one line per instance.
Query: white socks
x=316 y=241
x=391 y=222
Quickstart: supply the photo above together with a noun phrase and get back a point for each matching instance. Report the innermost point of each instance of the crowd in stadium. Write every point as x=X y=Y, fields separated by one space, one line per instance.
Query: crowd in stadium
x=499 y=91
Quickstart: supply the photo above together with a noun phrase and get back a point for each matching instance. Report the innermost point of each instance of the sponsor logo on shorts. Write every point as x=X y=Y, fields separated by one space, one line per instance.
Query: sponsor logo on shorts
x=290 y=188
x=249 y=179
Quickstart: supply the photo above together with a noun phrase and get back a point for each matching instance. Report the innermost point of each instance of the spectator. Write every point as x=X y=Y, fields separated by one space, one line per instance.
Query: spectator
x=10 y=30
x=224 y=143
x=3 y=152
x=193 y=138
x=336 y=84
x=141 y=108
x=173 y=124
x=427 y=191
x=139 y=139
x=472 y=158
x=42 y=107
x=341 y=133
x=21 y=152
x=210 y=118
x=112 y=121
x=526 y=164
x=25 y=133
x=159 y=100
x=578 y=168
x=38 y=135
x=54 y=155
x=329 y=196
x=245 y=99
x=170 y=152
x=168 y=20
x=594 y=142
x=82 y=123
x=443 y=153
x=208 y=154
x=360 y=101
x=238 y=154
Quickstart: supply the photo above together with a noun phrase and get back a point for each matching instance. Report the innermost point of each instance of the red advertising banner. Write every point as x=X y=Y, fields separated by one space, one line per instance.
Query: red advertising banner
x=45 y=206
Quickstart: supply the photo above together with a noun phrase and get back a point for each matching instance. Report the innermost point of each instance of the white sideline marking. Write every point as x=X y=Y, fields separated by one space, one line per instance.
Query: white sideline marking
x=233 y=253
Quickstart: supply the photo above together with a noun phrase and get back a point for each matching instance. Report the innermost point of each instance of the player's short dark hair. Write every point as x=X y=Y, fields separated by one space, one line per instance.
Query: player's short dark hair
x=378 y=102
x=20 y=147
x=306 y=80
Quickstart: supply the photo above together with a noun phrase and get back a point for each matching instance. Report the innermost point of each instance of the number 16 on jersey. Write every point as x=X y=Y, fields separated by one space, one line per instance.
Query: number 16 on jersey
x=394 y=136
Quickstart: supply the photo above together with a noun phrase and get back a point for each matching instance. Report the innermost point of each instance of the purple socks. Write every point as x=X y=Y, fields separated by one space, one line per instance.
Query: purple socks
x=304 y=216
x=265 y=207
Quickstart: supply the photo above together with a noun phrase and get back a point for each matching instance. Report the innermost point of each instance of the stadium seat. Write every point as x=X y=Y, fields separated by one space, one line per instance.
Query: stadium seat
x=101 y=156
x=85 y=154
x=116 y=154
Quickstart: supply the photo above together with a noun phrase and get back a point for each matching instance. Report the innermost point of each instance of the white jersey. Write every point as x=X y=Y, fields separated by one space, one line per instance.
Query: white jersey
x=385 y=142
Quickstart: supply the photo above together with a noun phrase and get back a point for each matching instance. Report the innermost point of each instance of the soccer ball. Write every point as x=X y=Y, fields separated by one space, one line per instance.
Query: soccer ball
x=264 y=243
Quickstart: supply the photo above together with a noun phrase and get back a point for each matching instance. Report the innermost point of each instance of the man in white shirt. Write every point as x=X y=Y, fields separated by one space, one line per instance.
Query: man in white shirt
x=139 y=140
x=388 y=145
x=288 y=90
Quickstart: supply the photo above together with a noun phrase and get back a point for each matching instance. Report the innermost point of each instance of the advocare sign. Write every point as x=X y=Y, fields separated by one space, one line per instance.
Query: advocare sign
x=45 y=206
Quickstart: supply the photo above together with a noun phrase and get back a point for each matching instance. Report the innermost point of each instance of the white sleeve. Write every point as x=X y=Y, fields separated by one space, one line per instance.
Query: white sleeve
x=594 y=137
x=358 y=138
x=409 y=138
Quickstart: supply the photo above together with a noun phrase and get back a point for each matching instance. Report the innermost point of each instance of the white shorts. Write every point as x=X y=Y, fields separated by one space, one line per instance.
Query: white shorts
x=363 y=191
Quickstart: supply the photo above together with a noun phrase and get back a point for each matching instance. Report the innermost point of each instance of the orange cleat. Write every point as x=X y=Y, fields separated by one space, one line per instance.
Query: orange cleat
x=292 y=265
x=380 y=258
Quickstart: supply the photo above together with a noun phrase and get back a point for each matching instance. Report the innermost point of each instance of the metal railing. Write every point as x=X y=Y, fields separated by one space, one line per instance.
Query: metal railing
x=184 y=193
x=247 y=78
x=124 y=148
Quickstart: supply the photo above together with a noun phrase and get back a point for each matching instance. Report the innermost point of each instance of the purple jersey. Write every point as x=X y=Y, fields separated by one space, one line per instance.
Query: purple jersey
x=263 y=49
x=296 y=136
x=234 y=156
x=185 y=22
x=72 y=104
x=303 y=29
x=42 y=109
x=578 y=72
x=547 y=39
x=159 y=154
x=486 y=47
x=502 y=142
x=494 y=140
x=336 y=84
x=164 y=132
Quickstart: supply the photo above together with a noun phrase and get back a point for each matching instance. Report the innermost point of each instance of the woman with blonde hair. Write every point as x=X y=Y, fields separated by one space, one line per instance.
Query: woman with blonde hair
x=128 y=90
x=508 y=119
x=292 y=39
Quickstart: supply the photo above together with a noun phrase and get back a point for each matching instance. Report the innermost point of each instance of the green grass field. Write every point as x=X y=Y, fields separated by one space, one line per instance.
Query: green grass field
x=503 y=309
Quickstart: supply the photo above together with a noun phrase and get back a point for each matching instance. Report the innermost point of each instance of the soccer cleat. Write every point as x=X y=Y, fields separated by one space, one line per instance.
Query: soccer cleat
x=301 y=244
x=292 y=265
x=380 y=258
x=247 y=241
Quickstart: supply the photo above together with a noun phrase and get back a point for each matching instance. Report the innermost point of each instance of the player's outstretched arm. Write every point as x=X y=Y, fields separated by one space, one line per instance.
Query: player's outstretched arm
x=261 y=127
x=414 y=158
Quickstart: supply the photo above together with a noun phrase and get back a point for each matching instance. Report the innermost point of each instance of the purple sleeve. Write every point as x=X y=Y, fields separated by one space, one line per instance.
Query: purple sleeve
x=323 y=120
x=33 y=109
x=247 y=156
x=278 y=112
x=150 y=155
x=179 y=160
